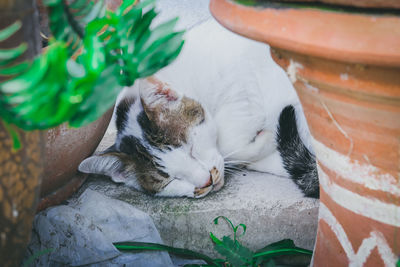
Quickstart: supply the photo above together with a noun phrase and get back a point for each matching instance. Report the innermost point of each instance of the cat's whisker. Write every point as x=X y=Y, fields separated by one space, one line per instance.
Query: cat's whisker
x=233 y=167
x=228 y=172
x=231 y=153
x=237 y=162
x=234 y=171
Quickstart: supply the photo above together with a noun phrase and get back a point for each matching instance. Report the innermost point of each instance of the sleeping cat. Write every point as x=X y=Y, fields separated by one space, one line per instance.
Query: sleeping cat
x=223 y=103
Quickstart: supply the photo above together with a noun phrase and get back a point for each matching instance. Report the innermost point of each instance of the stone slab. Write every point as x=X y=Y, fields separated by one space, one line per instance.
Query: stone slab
x=272 y=207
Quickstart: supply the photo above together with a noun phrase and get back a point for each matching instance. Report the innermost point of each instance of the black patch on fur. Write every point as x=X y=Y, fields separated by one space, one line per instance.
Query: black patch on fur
x=122 y=112
x=132 y=146
x=297 y=159
x=111 y=149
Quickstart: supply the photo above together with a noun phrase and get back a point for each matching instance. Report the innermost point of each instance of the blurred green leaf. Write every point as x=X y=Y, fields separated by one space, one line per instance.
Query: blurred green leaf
x=28 y=79
x=14 y=69
x=10 y=30
x=12 y=53
x=13 y=134
x=93 y=53
x=152 y=246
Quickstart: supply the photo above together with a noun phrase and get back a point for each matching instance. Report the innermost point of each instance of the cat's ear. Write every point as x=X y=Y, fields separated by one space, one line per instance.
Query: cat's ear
x=157 y=96
x=112 y=164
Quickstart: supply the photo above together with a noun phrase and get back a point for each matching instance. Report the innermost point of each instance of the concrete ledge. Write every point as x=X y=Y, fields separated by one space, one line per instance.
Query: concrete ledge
x=272 y=207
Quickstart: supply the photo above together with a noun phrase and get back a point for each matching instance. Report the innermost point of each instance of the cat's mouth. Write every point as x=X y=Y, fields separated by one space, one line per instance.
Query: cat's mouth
x=215 y=183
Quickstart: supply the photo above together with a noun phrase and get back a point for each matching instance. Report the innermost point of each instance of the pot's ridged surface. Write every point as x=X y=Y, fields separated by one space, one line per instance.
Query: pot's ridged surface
x=349 y=86
x=355 y=3
x=356 y=135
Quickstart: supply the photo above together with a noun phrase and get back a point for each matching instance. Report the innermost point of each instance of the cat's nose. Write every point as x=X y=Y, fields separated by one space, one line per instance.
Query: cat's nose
x=215 y=178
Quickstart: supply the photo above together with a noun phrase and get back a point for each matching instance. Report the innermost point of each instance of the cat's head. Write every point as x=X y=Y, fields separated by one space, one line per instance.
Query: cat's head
x=162 y=137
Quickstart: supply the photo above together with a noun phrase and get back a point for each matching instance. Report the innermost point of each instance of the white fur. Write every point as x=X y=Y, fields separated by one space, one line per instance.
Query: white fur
x=194 y=161
x=242 y=92
x=238 y=83
x=178 y=188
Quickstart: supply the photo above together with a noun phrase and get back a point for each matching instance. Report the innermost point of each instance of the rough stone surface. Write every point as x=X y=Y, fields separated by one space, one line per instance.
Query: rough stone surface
x=82 y=233
x=272 y=207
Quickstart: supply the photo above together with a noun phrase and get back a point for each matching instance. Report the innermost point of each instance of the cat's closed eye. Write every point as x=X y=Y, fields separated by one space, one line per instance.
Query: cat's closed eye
x=195 y=114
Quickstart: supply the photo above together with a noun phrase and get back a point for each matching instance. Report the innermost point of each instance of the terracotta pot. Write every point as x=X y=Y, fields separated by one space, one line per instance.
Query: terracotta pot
x=354 y=3
x=345 y=68
x=65 y=149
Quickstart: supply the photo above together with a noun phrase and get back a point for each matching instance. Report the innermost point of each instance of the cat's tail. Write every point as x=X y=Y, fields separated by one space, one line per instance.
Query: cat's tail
x=297 y=160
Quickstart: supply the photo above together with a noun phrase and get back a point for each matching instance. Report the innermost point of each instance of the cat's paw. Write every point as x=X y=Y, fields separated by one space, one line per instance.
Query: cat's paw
x=215 y=184
x=201 y=192
x=217 y=179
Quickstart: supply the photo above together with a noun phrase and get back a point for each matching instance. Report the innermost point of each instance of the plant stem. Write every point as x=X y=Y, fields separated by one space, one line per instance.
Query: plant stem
x=72 y=22
x=153 y=246
x=284 y=251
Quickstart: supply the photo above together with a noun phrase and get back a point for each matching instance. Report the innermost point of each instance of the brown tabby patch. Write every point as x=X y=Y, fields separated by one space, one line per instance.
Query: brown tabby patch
x=169 y=124
x=148 y=176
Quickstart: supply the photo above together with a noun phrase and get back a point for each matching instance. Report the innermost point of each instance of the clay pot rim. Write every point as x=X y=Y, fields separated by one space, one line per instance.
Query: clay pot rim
x=371 y=39
x=352 y=3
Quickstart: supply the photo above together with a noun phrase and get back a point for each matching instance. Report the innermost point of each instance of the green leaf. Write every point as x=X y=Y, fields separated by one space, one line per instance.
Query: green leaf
x=285 y=243
x=28 y=79
x=138 y=246
x=36 y=255
x=283 y=247
x=94 y=12
x=104 y=92
x=144 y=24
x=161 y=56
x=126 y=4
x=157 y=35
x=12 y=53
x=226 y=219
x=10 y=30
x=269 y=263
x=234 y=228
x=52 y=2
x=33 y=97
x=215 y=239
x=117 y=48
x=234 y=252
x=85 y=9
x=15 y=69
x=77 y=4
x=75 y=69
x=13 y=134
